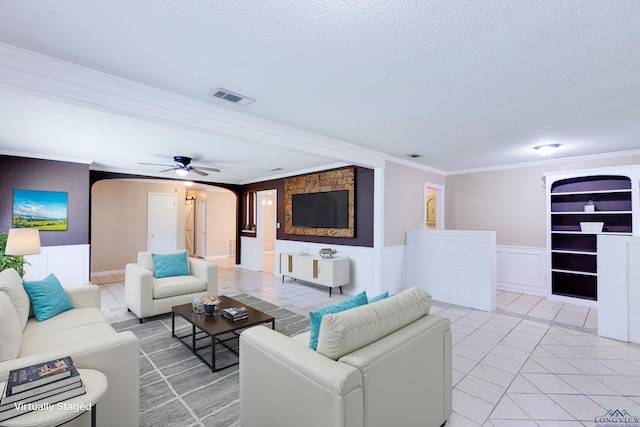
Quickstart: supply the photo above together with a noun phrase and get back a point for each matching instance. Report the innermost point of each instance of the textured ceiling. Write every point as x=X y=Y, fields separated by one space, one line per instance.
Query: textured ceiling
x=464 y=84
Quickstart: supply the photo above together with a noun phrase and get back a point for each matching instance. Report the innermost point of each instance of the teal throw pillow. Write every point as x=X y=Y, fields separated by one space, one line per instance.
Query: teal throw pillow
x=379 y=297
x=167 y=265
x=316 y=316
x=48 y=297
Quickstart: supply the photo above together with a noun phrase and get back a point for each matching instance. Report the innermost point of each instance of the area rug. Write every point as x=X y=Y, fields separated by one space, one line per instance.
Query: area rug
x=178 y=389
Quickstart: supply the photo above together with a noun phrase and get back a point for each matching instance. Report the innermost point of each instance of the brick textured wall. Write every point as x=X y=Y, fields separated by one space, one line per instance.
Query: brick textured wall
x=633 y=291
x=454 y=266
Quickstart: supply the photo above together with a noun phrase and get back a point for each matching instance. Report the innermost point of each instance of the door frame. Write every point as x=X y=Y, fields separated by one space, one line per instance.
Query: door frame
x=439 y=188
x=201 y=222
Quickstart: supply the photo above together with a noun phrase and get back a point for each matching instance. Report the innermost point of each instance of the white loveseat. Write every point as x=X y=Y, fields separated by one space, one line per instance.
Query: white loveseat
x=384 y=364
x=82 y=333
x=146 y=295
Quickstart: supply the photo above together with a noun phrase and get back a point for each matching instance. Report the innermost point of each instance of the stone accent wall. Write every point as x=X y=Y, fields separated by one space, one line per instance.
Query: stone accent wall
x=341 y=179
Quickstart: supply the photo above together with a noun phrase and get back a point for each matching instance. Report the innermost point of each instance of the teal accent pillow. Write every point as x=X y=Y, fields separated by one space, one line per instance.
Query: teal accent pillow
x=167 y=265
x=48 y=297
x=316 y=316
x=379 y=297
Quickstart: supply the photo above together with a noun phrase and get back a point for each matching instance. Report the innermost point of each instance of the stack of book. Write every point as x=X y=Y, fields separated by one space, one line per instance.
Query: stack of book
x=40 y=387
x=235 y=314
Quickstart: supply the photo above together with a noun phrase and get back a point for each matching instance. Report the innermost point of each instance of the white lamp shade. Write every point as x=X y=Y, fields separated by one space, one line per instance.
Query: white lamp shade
x=23 y=241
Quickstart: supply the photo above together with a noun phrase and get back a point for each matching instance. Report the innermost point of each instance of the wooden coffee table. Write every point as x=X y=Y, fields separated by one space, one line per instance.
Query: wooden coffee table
x=215 y=325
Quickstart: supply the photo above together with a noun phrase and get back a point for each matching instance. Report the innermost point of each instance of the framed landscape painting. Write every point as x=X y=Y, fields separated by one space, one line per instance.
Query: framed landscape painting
x=44 y=210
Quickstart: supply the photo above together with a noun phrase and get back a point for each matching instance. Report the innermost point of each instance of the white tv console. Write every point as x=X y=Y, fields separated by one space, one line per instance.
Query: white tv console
x=329 y=272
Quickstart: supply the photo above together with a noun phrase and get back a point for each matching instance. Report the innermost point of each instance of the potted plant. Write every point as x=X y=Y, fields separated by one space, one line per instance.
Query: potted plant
x=17 y=262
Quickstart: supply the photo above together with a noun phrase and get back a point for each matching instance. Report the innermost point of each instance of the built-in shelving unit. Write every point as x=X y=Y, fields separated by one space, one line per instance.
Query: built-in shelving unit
x=573 y=248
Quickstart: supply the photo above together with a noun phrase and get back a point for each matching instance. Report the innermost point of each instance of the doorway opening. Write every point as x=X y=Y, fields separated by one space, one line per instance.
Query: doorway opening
x=433 y=218
x=266 y=231
x=120 y=221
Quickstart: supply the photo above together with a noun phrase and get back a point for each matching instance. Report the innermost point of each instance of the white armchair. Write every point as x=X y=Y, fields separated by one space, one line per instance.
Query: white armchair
x=146 y=295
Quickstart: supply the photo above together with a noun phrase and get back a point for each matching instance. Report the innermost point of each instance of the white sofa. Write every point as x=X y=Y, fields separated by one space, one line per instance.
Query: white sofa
x=82 y=333
x=148 y=296
x=384 y=364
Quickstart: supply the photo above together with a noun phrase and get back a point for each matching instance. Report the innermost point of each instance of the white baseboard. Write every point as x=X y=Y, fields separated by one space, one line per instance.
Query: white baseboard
x=106 y=273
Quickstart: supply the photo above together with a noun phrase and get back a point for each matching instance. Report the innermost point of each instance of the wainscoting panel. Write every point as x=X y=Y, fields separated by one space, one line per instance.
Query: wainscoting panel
x=393 y=269
x=521 y=269
x=250 y=246
x=69 y=263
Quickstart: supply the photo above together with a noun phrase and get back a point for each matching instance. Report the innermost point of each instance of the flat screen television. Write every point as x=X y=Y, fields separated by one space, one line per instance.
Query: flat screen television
x=327 y=209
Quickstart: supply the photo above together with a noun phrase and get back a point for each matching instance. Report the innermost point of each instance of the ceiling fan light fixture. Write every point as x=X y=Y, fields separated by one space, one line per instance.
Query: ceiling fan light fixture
x=182 y=172
x=547 y=149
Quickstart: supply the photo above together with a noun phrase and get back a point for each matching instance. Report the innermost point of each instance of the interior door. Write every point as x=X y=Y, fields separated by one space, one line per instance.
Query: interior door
x=189 y=226
x=162 y=227
x=201 y=227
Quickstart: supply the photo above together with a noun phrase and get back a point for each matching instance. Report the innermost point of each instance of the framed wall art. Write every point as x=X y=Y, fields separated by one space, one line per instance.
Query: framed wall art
x=44 y=210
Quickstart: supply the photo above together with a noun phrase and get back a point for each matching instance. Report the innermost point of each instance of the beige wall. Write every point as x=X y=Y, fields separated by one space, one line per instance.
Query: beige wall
x=119 y=221
x=404 y=198
x=221 y=222
x=511 y=201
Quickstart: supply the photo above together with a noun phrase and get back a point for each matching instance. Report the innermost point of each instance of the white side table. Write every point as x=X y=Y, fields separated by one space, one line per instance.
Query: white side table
x=95 y=384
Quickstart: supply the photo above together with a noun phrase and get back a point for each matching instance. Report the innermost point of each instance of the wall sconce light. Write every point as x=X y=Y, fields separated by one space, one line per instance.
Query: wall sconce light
x=547 y=149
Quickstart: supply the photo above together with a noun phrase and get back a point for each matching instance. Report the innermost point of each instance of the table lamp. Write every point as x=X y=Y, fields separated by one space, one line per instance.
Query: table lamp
x=23 y=241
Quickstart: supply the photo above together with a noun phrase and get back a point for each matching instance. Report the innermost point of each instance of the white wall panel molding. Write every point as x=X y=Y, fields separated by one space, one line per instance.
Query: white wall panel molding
x=69 y=263
x=394 y=278
x=249 y=247
x=521 y=269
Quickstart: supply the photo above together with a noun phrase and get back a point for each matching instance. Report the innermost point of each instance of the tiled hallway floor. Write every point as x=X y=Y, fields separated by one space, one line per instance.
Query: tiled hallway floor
x=532 y=362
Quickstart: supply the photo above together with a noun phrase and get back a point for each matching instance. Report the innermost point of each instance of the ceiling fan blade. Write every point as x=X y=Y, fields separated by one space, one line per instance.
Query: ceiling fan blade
x=196 y=171
x=207 y=168
x=155 y=164
x=167 y=170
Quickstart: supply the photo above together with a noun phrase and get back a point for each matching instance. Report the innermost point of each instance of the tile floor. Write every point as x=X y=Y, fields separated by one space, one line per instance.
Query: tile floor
x=532 y=362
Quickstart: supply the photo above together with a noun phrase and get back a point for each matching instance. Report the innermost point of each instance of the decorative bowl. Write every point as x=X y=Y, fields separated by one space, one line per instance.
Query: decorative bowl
x=211 y=305
x=327 y=252
x=591 y=227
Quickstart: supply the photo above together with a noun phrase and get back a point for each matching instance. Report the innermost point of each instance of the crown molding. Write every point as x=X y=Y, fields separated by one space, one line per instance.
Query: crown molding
x=547 y=162
x=29 y=72
x=40 y=156
x=416 y=165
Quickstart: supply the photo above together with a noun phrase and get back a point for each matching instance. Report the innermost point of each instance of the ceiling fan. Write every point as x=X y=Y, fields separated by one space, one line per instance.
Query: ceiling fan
x=183 y=166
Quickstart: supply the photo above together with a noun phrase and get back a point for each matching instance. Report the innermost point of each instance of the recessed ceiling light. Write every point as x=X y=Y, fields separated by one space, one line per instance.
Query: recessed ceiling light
x=188 y=183
x=547 y=149
x=275 y=169
x=414 y=155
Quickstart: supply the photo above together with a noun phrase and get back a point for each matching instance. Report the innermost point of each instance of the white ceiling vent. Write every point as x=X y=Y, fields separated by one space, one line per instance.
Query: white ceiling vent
x=231 y=96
